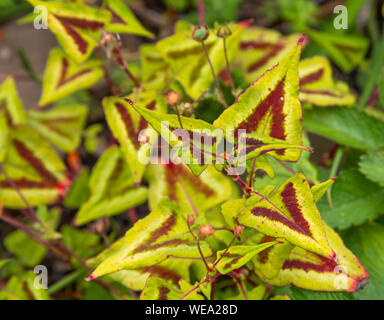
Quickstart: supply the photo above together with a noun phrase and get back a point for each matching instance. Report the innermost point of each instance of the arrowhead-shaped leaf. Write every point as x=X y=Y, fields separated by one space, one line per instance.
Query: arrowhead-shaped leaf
x=123 y=19
x=159 y=289
x=160 y=235
x=289 y=213
x=112 y=188
x=76 y=26
x=239 y=255
x=261 y=49
x=191 y=193
x=200 y=135
x=61 y=125
x=311 y=271
x=270 y=106
x=11 y=103
x=63 y=76
x=317 y=86
x=126 y=125
x=34 y=167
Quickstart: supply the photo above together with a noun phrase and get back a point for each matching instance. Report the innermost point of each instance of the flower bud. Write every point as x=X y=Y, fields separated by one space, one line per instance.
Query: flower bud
x=143 y=139
x=238 y=230
x=173 y=97
x=200 y=33
x=224 y=31
x=206 y=230
x=190 y=220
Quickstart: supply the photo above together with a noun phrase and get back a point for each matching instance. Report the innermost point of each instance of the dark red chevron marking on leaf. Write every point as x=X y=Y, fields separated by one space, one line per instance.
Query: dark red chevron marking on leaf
x=115 y=17
x=165 y=227
x=52 y=124
x=256 y=44
x=82 y=23
x=25 y=184
x=174 y=172
x=232 y=262
x=169 y=243
x=290 y=201
x=63 y=78
x=325 y=93
x=28 y=155
x=346 y=49
x=274 y=216
x=163 y=273
x=326 y=265
x=80 y=42
x=273 y=103
x=117 y=170
x=312 y=77
x=273 y=50
x=126 y=117
x=163 y=293
x=263 y=255
x=177 y=54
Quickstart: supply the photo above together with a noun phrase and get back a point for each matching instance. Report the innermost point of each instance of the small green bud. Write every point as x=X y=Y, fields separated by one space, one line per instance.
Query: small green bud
x=200 y=33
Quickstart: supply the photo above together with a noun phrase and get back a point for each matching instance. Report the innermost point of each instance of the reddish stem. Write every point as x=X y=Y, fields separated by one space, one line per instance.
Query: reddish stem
x=201 y=12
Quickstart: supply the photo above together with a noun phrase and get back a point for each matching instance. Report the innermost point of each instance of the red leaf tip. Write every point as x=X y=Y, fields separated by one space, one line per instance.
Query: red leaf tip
x=302 y=40
x=90 y=278
x=129 y=101
x=246 y=23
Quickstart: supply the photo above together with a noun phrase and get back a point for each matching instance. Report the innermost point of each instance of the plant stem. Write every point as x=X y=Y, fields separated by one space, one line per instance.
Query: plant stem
x=30 y=213
x=228 y=68
x=240 y=284
x=201 y=12
x=179 y=116
x=252 y=173
x=62 y=283
x=214 y=76
x=198 y=247
x=225 y=252
x=335 y=166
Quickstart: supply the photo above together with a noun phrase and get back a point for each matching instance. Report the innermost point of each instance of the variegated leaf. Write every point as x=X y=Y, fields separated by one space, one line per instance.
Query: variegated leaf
x=32 y=166
x=123 y=19
x=126 y=125
x=76 y=26
x=61 y=125
x=195 y=144
x=268 y=262
x=63 y=76
x=261 y=49
x=159 y=289
x=155 y=72
x=237 y=256
x=170 y=270
x=289 y=213
x=317 y=86
x=258 y=144
x=11 y=103
x=112 y=188
x=192 y=194
x=270 y=106
x=187 y=60
x=160 y=235
x=308 y=270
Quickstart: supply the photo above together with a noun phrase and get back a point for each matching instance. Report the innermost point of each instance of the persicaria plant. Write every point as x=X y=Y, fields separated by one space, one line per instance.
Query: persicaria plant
x=192 y=175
